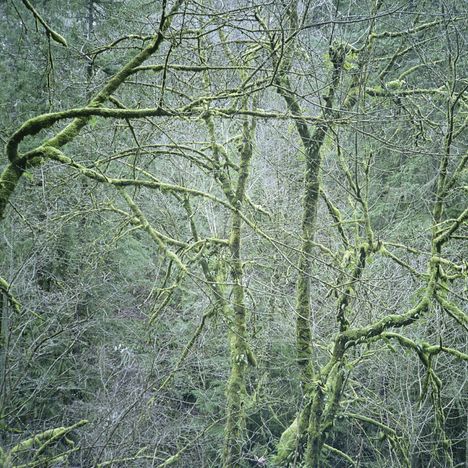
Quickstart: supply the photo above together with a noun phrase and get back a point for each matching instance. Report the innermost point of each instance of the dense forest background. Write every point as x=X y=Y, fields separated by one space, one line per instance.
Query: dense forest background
x=233 y=233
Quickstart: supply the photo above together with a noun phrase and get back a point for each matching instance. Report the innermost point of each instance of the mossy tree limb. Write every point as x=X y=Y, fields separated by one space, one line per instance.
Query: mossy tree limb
x=38 y=443
x=240 y=353
x=58 y=38
x=17 y=164
x=312 y=142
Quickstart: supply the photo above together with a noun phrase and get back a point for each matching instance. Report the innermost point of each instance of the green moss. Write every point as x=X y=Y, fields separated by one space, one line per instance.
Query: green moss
x=58 y=38
x=13 y=172
x=287 y=443
x=8 y=181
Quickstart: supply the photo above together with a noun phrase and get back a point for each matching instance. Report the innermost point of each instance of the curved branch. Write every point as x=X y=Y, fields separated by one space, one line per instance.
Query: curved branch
x=58 y=38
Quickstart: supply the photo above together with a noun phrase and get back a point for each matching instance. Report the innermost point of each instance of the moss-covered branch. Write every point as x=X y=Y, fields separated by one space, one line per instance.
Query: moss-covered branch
x=9 y=179
x=397 y=89
x=42 y=122
x=445 y=235
x=154 y=234
x=358 y=335
x=13 y=171
x=336 y=216
x=388 y=433
x=407 y=32
x=58 y=38
x=5 y=287
x=39 y=443
x=453 y=310
x=188 y=68
x=340 y=454
x=57 y=155
x=424 y=348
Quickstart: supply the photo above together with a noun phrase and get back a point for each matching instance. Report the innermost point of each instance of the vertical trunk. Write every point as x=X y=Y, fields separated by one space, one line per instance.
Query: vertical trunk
x=8 y=304
x=325 y=395
x=89 y=33
x=241 y=355
x=312 y=147
x=236 y=387
x=309 y=427
x=4 y=326
x=312 y=143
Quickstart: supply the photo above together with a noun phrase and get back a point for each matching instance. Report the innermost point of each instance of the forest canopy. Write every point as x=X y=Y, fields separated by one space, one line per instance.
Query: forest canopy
x=233 y=233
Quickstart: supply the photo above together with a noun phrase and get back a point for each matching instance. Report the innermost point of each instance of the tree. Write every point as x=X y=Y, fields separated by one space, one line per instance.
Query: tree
x=183 y=172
